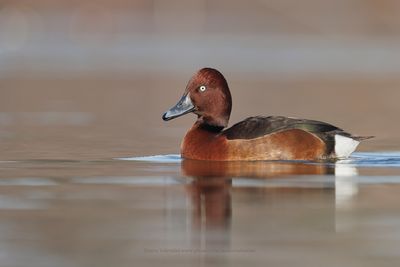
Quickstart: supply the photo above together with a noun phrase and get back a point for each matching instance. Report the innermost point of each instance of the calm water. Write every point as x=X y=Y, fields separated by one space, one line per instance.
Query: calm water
x=162 y=211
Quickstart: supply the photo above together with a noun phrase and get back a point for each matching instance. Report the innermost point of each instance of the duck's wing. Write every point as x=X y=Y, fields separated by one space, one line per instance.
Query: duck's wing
x=335 y=139
x=259 y=126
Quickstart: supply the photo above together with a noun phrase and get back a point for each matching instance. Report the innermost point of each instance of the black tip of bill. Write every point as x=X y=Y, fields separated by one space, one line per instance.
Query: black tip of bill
x=165 y=117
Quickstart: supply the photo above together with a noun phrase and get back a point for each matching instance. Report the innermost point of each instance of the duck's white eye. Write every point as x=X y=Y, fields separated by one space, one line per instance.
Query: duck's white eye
x=202 y=88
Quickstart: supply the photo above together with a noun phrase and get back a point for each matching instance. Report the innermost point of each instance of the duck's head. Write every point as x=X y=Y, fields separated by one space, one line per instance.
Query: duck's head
x=207 y=95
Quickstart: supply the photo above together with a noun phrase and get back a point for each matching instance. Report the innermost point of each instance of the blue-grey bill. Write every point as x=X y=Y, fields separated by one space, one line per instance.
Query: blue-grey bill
x=183 y=107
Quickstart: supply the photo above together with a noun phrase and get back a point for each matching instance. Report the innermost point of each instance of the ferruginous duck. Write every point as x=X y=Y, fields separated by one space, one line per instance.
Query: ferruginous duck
x=256 y=138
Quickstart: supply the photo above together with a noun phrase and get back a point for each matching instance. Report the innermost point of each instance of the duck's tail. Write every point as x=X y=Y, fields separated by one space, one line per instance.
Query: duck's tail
x=345 y=145
x=362 y=138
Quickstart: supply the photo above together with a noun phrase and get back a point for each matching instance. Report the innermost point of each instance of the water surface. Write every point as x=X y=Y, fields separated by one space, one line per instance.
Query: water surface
x=161 y=210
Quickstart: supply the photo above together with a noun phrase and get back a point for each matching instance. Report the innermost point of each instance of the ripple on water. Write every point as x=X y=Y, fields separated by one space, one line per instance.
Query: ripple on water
x=358 y=159
x=373 y=159
x=169 y=158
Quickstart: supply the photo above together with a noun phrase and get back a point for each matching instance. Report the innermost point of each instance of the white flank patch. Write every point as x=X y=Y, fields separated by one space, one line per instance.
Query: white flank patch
x=344 y=146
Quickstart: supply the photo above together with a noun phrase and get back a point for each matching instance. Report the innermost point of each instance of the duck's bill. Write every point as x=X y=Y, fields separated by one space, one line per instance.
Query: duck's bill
x=183 y=107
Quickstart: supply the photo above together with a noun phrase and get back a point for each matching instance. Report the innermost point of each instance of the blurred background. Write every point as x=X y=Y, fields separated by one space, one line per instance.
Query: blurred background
x=91 y=79
x=82 y=82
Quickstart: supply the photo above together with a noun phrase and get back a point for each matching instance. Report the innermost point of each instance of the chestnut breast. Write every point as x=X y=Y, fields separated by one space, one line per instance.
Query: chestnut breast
x=201 y=144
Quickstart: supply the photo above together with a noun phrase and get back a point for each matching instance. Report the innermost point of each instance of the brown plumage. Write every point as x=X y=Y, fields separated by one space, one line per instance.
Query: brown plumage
x=257 y=138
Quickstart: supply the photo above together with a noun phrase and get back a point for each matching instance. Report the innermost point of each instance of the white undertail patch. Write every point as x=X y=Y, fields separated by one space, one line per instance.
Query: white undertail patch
x=344 y=146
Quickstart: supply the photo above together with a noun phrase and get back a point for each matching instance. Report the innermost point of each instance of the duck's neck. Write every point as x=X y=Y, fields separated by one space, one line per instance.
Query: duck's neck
x=210 y=128
x=211 y=124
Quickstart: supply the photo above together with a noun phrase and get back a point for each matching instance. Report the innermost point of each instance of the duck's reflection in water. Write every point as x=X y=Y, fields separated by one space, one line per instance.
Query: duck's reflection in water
x=253 y=169
x=215 y=184
x=211 y=212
